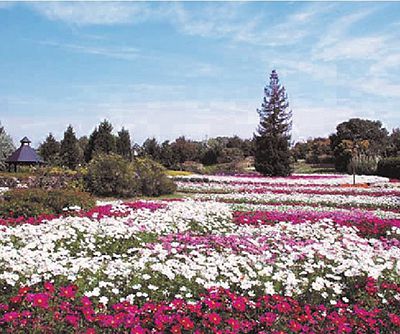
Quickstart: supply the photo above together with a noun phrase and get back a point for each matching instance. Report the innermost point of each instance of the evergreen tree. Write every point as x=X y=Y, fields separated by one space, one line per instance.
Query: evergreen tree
x=272 y=143
x=69 y=151
x=82 y=143
x=6 y=147
x=49 y=150
x=152 y=149
x=89 y=149
x=124 y=145
x=167 y=155
x=105 y=140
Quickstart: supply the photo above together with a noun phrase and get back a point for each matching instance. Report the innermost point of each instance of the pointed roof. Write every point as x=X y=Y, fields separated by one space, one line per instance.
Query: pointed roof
x=25 y=140
x=25 y=154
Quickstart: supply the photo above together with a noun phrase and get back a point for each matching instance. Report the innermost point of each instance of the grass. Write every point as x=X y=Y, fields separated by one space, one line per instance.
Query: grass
x=143 y=198
x=178 y=173
x=302 y=167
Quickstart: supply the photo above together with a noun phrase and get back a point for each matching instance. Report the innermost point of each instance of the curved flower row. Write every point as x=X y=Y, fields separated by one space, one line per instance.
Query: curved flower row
x=216 y=311
x=366 y=223
x=194 y=245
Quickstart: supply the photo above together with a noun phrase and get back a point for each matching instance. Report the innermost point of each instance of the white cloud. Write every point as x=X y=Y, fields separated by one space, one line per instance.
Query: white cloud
x=379 y=87
x=94 y=13
x=125 y=53
x=352 y=48
x=389 y=62
x=162 y=119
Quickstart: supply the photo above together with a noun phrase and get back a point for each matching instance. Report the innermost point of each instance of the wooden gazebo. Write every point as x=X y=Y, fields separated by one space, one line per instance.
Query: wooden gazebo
x=24 y=155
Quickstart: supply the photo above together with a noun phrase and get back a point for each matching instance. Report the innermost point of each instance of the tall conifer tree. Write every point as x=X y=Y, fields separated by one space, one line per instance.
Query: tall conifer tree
x=49 y=150
x=272 y=142
x=6 y=147
x=124 y=145
x=69 y=151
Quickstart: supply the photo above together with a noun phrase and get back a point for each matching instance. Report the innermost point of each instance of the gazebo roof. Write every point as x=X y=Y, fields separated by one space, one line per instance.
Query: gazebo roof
x=25 y=154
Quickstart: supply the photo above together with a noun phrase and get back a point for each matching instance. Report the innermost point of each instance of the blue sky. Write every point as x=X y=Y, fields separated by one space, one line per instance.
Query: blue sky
x=196 y=69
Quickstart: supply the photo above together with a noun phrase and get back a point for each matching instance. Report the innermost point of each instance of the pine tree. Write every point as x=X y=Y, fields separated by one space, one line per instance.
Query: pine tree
x=272 y=143
x=49 y=150
x=6 y=147
x=105 y=140
x=124 y=145
x=69 y=151
x=89 y=149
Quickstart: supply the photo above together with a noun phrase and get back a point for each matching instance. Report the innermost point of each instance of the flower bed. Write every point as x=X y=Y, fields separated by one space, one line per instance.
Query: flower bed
x=205 y=266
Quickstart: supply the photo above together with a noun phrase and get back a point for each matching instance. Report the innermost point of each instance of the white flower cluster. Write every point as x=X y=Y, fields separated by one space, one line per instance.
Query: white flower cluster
x=193 y=244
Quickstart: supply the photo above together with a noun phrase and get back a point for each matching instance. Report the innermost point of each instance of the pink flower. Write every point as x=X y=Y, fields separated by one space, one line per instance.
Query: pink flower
x=39 y=300
x=68 y=291
x=214 y=318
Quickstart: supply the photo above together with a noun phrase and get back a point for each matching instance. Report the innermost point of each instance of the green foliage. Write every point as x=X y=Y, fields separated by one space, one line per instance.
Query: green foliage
x=393 y=149
x=389 y=167
x=363 y=165
x=124 y=145
x=105 y=140
x=6 y=147
x=349 y=134
x=151 y=149
x=153 y=180
x=35 y=202
x=272 y=155
x=112 y=175
x=49 y=150
x=69 y=151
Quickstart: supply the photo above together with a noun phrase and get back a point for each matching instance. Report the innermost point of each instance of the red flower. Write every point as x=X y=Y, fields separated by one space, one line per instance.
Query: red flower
x=39 y=300
x=284 y=307
x=234 y=323
x=90 y=331
x=73 y=320
x=23 y=290
x=294 y=326
x=68 y=291
x=8 y=317
x=138 y=330
x=85 y=301
x=187 y=323
x=176 y=329
x=239 y=304
x=395 y=319
x=49 y=287
x=268 y=318
x=214 y=318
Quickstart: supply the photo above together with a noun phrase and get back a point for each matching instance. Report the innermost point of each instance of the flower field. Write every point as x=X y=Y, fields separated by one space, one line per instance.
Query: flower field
x=240 y=254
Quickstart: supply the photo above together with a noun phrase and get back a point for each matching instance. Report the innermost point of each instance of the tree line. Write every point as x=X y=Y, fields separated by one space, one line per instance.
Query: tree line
x=357 y=144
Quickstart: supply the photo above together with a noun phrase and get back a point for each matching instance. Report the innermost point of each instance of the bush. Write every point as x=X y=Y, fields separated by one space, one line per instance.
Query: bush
x=389 y=167
x=153 y=178
x=363 y=165
x=36 y=202
x=112 y=175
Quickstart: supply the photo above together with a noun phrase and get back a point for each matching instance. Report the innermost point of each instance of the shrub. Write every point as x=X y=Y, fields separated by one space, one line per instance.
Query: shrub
x=363 y=165
x=153 y=180
x=389 y=167
x=112 y=175
x=36 y=202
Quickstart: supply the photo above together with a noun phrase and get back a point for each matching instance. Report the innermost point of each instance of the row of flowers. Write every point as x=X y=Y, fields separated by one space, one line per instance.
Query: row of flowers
x=153 y=254
x=217 y=310
x=212 y=187
x=205 y=266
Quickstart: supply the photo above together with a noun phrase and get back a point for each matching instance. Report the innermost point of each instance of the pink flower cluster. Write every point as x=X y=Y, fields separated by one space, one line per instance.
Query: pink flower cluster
x=217 y=311
x=97 y=212
x=326 y=191
x=366 y=223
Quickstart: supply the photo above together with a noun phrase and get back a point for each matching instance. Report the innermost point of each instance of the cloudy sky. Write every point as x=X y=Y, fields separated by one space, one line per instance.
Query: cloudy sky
x=196 y=69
